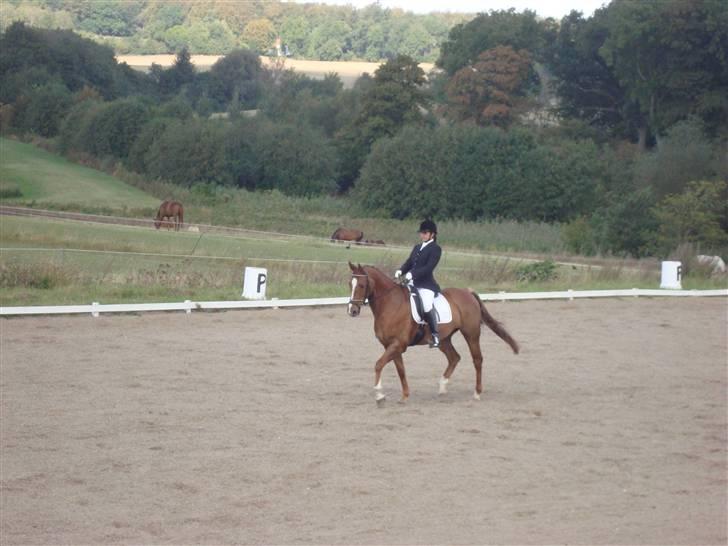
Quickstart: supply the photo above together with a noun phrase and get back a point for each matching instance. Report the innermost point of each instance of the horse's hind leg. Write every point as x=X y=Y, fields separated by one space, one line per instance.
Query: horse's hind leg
x=474 y=346
x=399 y=363
x=453 y=358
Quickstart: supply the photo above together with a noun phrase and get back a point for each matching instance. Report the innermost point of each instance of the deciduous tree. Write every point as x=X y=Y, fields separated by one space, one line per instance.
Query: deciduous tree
x=392 y=101
x=487 y=91
x=672 y=59
x=488 y=30
x=236 y=78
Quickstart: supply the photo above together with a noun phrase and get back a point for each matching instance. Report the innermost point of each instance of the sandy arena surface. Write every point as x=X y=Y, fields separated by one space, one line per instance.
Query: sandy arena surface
x=260 y=427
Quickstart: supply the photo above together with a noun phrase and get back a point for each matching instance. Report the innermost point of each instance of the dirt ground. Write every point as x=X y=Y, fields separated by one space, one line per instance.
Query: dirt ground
x=260 y=427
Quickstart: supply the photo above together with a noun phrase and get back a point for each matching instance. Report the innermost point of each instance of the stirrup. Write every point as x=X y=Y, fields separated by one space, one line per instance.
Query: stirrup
x=435 y=341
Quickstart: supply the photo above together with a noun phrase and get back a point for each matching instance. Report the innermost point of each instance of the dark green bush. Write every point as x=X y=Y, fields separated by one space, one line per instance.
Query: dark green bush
x=41 y=110
x=625 y=224
x=471 y=173
x=186 y=153
x=103 y=129
x=537 y=272
x=578 y=237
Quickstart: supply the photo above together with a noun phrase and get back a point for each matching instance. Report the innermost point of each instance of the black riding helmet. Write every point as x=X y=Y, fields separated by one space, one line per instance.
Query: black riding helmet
x=428 y=225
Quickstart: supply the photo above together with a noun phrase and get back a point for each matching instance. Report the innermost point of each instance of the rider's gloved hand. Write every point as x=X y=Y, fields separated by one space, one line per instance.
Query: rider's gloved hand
x=397 y=274
x=408 y=276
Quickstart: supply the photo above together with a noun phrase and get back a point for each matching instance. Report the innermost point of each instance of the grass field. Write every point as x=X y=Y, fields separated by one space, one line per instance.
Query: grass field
x=31 y=175
x=47 y=261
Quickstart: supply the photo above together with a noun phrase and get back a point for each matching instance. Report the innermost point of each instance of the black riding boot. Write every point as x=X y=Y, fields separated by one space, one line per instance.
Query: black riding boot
x=432 y=322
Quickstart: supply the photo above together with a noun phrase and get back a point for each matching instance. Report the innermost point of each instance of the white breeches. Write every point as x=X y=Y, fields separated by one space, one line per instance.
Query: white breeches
x=428 y=297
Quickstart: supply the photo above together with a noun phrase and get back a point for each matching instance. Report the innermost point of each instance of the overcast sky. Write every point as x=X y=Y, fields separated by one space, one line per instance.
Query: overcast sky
x=544 y=8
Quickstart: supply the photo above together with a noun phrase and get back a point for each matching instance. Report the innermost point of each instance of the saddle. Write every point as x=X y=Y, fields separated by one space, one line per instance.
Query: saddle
x=441 y=306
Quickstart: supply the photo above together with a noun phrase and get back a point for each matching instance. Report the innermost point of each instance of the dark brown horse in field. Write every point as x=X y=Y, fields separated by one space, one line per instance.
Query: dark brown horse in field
x=346 y=234
x=170 y=211
x=395 y=329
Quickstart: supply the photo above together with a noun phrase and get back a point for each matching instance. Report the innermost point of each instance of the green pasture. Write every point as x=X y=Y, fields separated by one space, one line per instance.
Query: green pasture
x=31 y=175
x=48 y=261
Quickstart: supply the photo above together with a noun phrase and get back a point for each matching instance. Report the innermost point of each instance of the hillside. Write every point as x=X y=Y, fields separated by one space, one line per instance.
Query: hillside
x=31 y=175
x=304 y=31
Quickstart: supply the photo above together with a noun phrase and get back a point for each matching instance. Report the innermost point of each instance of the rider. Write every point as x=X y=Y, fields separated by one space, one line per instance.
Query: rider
x=418 y=270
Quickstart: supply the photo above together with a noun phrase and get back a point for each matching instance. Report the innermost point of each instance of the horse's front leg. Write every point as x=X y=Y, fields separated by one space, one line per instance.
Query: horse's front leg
x=391 y=352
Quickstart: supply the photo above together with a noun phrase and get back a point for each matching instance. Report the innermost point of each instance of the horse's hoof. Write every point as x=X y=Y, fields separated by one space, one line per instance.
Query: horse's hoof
x=380 y=396
x=402 y=400
x=443 y=386
x=476 y=395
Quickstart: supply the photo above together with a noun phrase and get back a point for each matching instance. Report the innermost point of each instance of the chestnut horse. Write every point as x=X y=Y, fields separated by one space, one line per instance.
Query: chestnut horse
x=172 y=210
x=395 y=328
x=346 y=234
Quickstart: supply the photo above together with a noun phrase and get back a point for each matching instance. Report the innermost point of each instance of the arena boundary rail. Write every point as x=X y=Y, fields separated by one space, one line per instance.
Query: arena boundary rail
x=96 y=308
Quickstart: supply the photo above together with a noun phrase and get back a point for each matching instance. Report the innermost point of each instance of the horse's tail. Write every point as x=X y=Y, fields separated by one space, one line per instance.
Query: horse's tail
x=494 y=325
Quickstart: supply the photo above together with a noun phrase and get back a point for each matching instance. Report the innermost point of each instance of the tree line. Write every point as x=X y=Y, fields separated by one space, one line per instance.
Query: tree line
x=217 y=27
x=524 y=119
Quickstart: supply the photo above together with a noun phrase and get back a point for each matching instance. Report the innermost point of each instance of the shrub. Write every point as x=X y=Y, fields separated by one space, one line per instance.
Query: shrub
x=693 y=216
x=537 y=272
x=684 y=154
x=626 y=225
x=9 y=190
x=578 y=237
x=114 y=128
x=473 y=173
x=42 y=109
x=295 y=159
x=190 y=152
x=103 y=129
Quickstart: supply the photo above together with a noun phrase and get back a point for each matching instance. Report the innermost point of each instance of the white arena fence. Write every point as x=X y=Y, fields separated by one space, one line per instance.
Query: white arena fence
x=95 y=309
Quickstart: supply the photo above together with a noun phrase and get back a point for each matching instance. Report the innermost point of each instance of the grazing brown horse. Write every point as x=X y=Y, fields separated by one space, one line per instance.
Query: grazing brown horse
x=395 y=329
x=346 y=234
x=172 y=210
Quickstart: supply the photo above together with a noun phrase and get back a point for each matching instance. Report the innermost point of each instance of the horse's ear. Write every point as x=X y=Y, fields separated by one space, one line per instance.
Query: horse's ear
x=351 y=266
x=359 y=266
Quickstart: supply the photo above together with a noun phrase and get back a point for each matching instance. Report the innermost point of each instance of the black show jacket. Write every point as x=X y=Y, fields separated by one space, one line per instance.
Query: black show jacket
x=422 y=264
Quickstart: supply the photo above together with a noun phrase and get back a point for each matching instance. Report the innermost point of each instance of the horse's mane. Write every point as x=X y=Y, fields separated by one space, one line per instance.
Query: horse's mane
x=380 y=278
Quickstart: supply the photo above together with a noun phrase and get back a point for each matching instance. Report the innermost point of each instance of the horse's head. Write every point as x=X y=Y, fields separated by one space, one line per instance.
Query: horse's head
x=359 y=289
x=157 y=222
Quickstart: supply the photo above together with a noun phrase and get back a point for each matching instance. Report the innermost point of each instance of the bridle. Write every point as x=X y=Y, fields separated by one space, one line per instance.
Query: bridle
x=362 y=301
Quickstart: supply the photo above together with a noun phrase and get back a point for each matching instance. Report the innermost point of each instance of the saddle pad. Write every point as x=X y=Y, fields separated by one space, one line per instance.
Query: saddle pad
x=441 y=305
